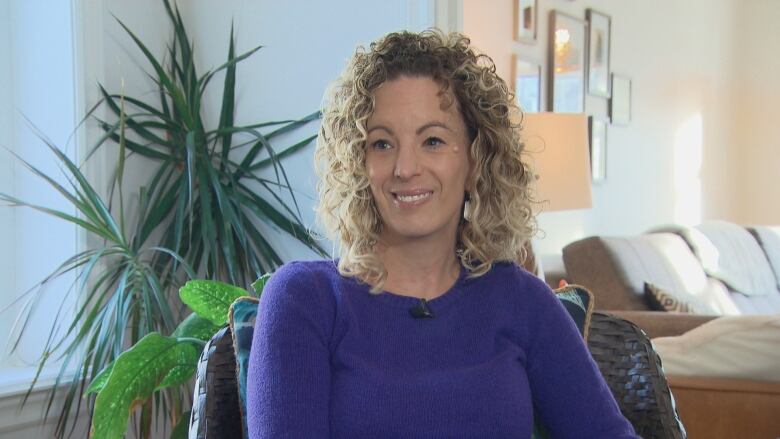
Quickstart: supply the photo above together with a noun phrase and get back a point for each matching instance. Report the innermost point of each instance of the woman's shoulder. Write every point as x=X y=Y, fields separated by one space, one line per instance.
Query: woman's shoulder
x=306 y=270
x=301 y=282
x=519 y=287
x=514 y=274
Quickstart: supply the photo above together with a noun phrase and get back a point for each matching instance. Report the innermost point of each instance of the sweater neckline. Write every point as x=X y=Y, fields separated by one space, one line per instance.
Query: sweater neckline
x=443 y=300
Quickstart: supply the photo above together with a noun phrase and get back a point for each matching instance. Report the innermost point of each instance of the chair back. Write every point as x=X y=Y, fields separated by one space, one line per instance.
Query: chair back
x=215 y=404
x=633 y=371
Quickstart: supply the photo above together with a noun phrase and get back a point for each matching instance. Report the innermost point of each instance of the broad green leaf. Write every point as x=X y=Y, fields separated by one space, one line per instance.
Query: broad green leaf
x=210 y=299
x=195 y=326
x=259 y=284
x=151 y=364
x=185 y=367
x=100 y=380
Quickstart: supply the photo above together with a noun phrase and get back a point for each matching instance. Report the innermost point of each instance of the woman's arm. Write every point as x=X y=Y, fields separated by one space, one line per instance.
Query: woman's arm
x=288 y=382
x=569 y=393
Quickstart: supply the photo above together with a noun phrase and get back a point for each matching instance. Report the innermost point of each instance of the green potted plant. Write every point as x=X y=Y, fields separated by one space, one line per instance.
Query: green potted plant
x=159 y=362
x=197 y=214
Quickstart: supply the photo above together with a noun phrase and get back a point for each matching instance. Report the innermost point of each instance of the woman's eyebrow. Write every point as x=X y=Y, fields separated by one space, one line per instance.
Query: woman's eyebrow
x=417 y=132
x=379 y=127
x=431 y=125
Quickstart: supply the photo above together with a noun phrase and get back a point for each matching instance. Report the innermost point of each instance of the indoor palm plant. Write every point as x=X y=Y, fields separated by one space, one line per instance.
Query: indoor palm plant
x=198 y=213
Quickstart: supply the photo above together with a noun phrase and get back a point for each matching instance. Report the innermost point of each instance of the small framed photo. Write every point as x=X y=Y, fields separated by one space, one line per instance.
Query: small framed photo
x=566 y=87
x=597 y=128
x=525 y=20
x=598 y=53
x=527 y=84
x=620 y=102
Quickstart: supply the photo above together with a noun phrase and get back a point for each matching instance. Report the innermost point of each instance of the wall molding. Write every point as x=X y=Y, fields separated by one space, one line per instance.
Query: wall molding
x=449 y=15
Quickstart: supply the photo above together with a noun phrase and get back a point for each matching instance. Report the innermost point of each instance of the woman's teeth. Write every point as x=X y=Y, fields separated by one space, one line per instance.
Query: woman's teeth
x=410 y=198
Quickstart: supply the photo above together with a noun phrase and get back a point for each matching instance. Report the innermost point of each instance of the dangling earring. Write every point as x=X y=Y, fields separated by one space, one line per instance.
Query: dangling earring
x=467 y=208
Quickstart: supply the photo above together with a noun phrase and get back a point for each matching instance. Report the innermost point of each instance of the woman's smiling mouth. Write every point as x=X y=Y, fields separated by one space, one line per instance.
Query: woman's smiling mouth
x=411 y=198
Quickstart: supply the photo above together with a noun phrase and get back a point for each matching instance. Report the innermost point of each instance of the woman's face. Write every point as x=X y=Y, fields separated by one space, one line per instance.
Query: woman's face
x=417 y=160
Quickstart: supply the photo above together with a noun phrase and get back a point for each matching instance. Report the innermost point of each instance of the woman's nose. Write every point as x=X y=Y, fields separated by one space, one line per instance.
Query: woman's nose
x=407 y=163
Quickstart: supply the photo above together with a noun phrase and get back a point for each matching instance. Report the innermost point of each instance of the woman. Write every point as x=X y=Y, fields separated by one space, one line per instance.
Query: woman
x=424 y=327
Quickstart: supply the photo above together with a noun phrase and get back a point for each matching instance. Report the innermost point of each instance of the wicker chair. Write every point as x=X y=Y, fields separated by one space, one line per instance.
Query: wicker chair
x=633 y=372
x=622 y=351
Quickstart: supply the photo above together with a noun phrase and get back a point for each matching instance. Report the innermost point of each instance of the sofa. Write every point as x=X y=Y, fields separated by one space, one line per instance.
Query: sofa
x=711 y=262
x=727 y=273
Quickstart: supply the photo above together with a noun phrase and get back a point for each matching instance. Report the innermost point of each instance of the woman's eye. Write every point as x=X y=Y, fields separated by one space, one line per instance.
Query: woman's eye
x=380 y=144
x=433 y=141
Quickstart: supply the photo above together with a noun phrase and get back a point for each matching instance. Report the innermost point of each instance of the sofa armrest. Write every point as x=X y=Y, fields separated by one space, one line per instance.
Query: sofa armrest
x=662 y=324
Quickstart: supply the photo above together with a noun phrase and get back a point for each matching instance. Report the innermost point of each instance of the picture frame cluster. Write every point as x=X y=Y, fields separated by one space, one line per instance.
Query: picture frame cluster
x=578 y=64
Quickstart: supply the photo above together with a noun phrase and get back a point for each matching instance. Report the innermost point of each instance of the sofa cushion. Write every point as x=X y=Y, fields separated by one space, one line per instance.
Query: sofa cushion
x=715 y=299
x=674 y=301
x=616 y=268
x=590 y=263
x=734 y=257
x=662 y=259
x=767 y=304
x=769 y=240
x=728 y=347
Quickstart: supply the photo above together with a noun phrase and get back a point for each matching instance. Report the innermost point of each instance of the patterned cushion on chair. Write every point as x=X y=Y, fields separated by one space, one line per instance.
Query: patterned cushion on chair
x=578 y=301
x=243 y=313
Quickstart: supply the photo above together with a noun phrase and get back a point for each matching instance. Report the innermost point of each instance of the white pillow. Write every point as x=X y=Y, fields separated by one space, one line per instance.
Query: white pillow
x=746 y=347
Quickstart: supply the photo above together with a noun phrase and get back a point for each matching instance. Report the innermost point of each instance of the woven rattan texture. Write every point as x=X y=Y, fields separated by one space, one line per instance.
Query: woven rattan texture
x=215 y=411
x=633 y=372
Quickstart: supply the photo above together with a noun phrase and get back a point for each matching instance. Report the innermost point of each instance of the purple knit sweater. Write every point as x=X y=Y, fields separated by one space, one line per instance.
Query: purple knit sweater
x=331 y=360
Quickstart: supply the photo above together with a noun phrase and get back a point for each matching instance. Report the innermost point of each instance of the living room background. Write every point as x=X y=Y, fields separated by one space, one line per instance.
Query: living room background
x=703 y=140
x=702 y=143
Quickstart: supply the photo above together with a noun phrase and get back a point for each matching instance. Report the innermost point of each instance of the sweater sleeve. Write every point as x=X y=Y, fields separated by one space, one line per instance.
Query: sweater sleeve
x=568 y=391
x=288 y=382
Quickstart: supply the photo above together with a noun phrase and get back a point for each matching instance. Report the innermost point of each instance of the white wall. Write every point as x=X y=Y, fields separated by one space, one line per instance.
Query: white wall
x=757 y=123
x=680 y=158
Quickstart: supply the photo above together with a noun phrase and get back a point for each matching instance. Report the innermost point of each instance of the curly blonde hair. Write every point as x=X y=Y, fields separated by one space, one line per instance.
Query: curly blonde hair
x=501 y=220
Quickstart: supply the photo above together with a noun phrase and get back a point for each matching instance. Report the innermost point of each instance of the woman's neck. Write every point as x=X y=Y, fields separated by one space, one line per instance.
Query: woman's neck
x=419 y=269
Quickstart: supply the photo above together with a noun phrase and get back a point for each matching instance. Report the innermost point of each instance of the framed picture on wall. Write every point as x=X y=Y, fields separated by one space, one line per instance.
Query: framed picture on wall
x=525 y=20
x=566 y=86
x=620 y=103
x=527 y=79
x=598 y=53
x=597 y=129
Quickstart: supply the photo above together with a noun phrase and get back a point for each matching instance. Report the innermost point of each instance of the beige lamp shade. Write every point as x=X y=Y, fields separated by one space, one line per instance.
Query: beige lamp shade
x=559 y=154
